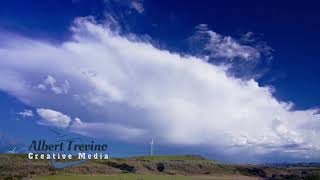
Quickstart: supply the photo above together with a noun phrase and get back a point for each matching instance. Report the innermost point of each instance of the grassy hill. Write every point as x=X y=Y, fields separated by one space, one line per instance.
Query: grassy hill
x=170 y=158
x=154 y=168
x=141 y=177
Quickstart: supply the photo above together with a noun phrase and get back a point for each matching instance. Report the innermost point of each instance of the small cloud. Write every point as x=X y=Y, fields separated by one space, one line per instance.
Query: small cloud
x=138 y=6
x=51 y=83
x=50 y=80
x=202 y=27
x=247 y=57
x=53 y=118
x=219 y=46
x=255 y=41
x=26 y=113
x=42 y=87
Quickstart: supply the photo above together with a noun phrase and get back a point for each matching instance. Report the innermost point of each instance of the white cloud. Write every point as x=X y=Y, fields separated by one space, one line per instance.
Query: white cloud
x=53 y=118
x=57 y=119
x=42 y=87
x=133 y=88
x=50 y=82
x=98 y=129
x=223 y=47
x=26 y=113
x=137 y=5
x=227 y=47
x=246 y=57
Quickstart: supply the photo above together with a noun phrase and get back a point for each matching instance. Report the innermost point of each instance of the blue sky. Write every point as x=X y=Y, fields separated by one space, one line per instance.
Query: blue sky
x=96 y=67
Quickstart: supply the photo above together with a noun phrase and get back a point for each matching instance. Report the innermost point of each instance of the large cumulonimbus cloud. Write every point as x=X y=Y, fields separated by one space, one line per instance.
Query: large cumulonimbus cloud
x=132 y=90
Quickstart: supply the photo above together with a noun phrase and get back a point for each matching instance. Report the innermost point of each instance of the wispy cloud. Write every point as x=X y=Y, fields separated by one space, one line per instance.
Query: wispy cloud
x=137 y=5
x=50 y=83
x=242 y=55
x=226 y=47
x=26 y=113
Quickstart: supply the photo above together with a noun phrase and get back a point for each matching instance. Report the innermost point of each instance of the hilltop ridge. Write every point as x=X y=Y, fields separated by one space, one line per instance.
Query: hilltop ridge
x=17 y=166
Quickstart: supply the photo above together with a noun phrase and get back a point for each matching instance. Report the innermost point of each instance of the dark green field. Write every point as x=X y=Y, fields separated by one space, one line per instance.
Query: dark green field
x=141 y=177
x=151 y=168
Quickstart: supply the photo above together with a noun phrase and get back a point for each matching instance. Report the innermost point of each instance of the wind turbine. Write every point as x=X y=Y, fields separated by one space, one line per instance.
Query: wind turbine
x=151 y=147
x=12 y=152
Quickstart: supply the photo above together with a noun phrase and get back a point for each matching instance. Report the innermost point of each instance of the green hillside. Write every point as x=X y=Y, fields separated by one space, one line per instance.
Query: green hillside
x=187 y=167
x=171 y=158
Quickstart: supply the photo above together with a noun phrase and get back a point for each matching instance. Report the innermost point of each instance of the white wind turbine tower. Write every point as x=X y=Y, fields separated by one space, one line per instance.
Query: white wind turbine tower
x=151 y=147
